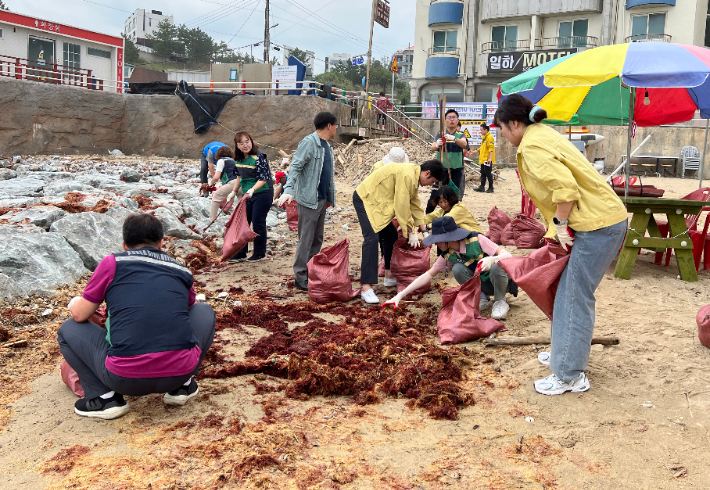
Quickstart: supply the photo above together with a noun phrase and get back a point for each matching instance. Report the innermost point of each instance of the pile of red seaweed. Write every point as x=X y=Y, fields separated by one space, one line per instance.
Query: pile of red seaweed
x=369 y=353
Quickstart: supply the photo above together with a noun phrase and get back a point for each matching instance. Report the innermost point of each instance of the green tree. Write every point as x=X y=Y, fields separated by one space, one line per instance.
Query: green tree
x=130 y=54
x=164 y=40
x=302 y=56
x=196 y=44
x=336 y=79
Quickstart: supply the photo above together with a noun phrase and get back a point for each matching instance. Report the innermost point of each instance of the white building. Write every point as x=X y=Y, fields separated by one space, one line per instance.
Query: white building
x=142 y=22
x=42 y=50
x=310 y=58
x=405 y=60
x=465 y=48
x=332 y=61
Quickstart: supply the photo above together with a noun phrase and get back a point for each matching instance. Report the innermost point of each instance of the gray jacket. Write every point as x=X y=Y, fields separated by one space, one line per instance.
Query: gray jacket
x=305 y=170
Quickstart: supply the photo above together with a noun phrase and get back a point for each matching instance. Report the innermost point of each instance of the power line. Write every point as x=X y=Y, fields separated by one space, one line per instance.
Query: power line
x=240 y=27
x=108 y=6
x=218 y=14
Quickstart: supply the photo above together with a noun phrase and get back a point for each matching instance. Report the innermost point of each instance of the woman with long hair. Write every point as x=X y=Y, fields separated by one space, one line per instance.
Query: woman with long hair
x=588 y=219
x=254 y=176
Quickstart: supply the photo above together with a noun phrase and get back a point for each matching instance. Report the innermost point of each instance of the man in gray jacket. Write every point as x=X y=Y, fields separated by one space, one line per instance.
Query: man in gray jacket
x=311 y=182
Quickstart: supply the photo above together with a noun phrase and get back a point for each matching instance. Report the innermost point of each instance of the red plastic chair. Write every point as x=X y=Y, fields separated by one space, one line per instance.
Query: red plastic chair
x=700 y=244
x=528 y=208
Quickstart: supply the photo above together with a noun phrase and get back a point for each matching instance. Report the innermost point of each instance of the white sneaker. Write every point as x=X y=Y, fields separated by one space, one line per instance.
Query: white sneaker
x=552 y=385
x=485 y=303
x=390 y=282
x=369 y=296
x=544 y=358
x=500 y=309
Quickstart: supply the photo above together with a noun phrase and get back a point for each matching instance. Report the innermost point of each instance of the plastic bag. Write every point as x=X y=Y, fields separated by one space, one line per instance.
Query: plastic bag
x=507 y=236
x=238 y=232
x=703 y=320
x=497 y=221
x=100 y=316
x=329 y=274
x=538 y=274
x=459 y=319
x=292 y=215
x=70 y=378
x=527 y=232
x=407 y=264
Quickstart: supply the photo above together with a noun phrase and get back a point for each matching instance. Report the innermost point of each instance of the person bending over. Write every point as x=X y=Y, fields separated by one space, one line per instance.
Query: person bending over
x=155 y=337
x=224 y=172
x=465 y=251
x=208 y=158
x=449 y=205
x=388 y=193
x=279 y=182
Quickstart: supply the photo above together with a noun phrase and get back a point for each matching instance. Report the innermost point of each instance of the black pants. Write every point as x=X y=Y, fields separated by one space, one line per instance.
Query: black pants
x=486 y=174
x=381 y=117
x=204 y=170
x=372 y=240
x=257 y=209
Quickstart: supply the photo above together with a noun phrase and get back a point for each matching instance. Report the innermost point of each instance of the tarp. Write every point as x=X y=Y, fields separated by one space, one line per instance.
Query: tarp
x=153 y=88
x=204 y=107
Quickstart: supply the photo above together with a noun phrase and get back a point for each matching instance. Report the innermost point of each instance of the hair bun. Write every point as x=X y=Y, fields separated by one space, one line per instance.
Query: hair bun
x=537 y=114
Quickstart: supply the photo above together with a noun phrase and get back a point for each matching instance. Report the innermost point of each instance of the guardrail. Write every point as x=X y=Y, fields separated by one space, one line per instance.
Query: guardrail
x=444 y=51
x=642 y=38
x=41 y=71
x=498 y=46
x=567 y=42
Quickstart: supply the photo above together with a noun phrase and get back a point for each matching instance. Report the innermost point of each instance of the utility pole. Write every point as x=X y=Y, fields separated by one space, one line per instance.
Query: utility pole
x=267 y=42
x=369 y=50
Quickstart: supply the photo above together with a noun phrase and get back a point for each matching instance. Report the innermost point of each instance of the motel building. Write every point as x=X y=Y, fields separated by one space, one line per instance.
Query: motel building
x=44 y=51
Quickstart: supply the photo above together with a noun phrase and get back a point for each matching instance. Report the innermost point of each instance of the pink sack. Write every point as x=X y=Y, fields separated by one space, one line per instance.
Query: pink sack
x=527 y=232
x=703 y=320
x=225 y=205
x=329 y=274
x=538 y=274
x=459 y=319
x=507 y=236
x=70 y=378
x=497 y=221
x=238 y=232
x=292 y=215
x=407 y=264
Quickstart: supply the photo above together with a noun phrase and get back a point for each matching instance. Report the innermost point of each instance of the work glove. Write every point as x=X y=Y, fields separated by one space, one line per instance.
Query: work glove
x=71 y=303
x=440 y=143
x=486 y=263
x=284 y=199
x=565 y=236
x=231 y=196
x=394 y=301
x=413 y=239
x=249 y=193
x=450 y=138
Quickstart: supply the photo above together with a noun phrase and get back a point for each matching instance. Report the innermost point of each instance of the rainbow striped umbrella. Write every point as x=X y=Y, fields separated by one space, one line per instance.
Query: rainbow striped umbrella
x=671 y=82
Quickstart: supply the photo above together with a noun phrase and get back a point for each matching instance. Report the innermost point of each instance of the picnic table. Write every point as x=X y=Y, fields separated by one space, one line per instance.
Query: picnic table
x=643 y=209
x=658 y=166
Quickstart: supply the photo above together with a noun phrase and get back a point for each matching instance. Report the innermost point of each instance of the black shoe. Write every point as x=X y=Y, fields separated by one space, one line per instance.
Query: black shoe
x=490 y=191
x=512 y=288
x=238 y=258
x=478 y=189
x=256 y=258
x=182 y=394
x=107 y=409
x=300 y=286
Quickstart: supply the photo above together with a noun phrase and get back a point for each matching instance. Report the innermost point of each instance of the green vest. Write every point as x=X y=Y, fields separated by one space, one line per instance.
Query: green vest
x=247 y=171
x=454 y=153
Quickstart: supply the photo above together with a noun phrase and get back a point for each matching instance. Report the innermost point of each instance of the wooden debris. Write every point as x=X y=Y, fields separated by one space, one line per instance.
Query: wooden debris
x=15 y=344
x=543 y=340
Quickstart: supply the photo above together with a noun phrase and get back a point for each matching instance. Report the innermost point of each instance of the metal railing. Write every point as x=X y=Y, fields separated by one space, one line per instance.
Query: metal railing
x=567 y=42
x=41 y=71
x=498 y=46
x=641 y=38
x=444 y=51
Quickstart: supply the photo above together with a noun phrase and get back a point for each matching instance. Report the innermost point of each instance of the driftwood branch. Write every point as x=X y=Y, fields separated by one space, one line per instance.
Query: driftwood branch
x=543 y=340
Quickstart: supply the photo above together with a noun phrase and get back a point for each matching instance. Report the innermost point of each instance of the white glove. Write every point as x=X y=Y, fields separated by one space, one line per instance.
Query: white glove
x=394 y=301
x=450 y=138
x=565 y=236
x=486 y=262
x=249 y=193
x=284 y=199
x=413 y=239
x=71 y=303
x=439 y=143
x=231 y=196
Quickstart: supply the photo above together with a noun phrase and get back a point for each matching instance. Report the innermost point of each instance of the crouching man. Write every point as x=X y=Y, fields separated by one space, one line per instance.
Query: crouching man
x=155 y=337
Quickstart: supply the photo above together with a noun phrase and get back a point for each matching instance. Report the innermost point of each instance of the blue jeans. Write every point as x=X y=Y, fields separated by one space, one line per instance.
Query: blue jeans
x=573 y=314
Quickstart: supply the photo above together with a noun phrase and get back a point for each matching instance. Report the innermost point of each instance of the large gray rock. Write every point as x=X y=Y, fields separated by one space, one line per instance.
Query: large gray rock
x=6 y=174
x=64 y=186
x=51 y=176
x=119 y=213
x=198 y=207
x=35 y=263
x=17 y=202
x=172 y=205
x=92 y=235
x=173 y=226
x=40 y=216
x=23 y=186
x=131 y=175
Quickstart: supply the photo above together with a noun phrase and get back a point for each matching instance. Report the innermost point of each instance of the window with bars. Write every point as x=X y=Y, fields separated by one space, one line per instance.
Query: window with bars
x=573 y=34
x=444 y=41
x=504 y=37
x=98 y=52
x=648 y=27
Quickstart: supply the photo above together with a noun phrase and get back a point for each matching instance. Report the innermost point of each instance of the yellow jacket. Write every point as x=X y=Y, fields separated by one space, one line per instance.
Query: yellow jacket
x=462 y=216
x=392 y=192
x=553 y=171
x=377 y=166
x=488 y=147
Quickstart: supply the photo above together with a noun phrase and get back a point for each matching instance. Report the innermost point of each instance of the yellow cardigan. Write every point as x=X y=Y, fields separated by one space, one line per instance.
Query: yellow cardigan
x=462 y=216
x=392 y=192
x=553 y=171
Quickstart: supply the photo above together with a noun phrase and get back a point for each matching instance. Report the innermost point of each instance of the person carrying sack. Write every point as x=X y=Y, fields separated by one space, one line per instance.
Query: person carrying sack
x=465 y=253
x=588 y=219
x=486 y=157
x=388 y=193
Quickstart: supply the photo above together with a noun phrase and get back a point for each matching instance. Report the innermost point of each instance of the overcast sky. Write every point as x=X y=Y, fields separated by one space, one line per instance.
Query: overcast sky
x=333 y=29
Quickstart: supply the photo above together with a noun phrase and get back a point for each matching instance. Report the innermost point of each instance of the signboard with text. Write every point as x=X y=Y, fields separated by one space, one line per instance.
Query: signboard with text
x=522 y=61
x=468 y=111
x=285 y=76
x=472 y=131
x=382 y=15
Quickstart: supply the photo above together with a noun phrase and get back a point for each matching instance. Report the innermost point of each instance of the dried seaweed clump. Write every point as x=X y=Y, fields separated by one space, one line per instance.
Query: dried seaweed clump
x=370 y=353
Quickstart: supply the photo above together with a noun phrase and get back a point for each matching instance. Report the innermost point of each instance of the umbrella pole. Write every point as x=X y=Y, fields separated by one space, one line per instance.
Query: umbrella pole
x=632 y=101
x=705 y=147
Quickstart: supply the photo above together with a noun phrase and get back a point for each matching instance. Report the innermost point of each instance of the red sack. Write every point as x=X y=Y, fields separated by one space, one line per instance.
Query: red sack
x=459 y=319
x=538 y=274
x=527 y=232
x=507 y=236
x=329 y=274
x=100 y=316
x=703 y=320
x=238 y=232
x=497 y=221
x=292 y=215
x=70 y=378
x=225 y=205
x=407 y=264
